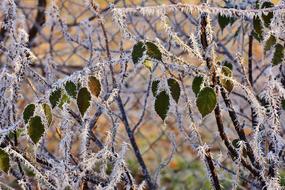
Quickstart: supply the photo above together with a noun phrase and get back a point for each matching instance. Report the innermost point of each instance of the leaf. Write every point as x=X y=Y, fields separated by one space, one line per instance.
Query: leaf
x=138 y=51
x=83 y=100
x=28 y=112
x=48 y=113
x=161 y=104
x=148 y=64
x=228 y=64
x=174 y=89
x=55 y=97
x=4 y=161
x=269 y=43
x=154 y=87
x=267 y=17
x=94 y=86
x=64 y=99
x=36 y=129
x=197 y=84
x=71 y=89
x=153 y=51
x=278 y=54
x=227 y=84
x=258 y=29
x=206 y=101
x=224 y=20
x=235 y=143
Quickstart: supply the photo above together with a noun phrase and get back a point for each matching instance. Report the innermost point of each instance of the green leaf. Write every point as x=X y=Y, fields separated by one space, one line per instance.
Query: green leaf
x=269 y=43
x=64 y=99
x=278 y=54
x=28 y=112
x=36 y=129
x=94 y=86
x=154 y=87
x=161 y=104
x=197 y=84
x=228 y=64
x=153 y=51
x=235 y=143
x=71 y=89
x=258 y=29
x=267 y=17
x=55 y=97
x=4 y=161
x=174 y=89
x=224 y=20
x=48 y=113
x=206 y=101
x=227 y=84
x=138 y=51
x=83 y=100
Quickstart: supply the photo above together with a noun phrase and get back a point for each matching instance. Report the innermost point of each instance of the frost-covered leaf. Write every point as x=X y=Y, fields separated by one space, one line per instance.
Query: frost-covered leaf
x=94 y=86
x=36 y=129
x=270 y=42
x=267 y=17
x=83 y=100
x=174 y=89
x=154 y=87
x=153 y=51
x=197 y=84
x=64 y=99
x=54 y=97
x=278 y=54
x=71 y=89
x=138 y=51
x=148 y=64
x=48 y=113
x=161 y=104
x=224 y=21
x=206 y=101
x=4 y=161
x=228 y=64
x=235 y=143
x=28 y=112
x=258 y=29
x=227 y=84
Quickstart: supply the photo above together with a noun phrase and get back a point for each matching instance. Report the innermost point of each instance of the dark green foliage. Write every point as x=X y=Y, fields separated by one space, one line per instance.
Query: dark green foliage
x=4 y=161
x=224 y=21
x=278 y=54
x=206 y=101
x=70 y=89
x=28 y=112
x=174 y=89
x=83 y=100
x=153 y=51
x=258 y=29
x=271 y=41
x=36 y=129
x=267 y=17
x=138 y=51
x=228 y=64
x=154 y=87
x=54 y=97
x=197 y=84
x=162 y=104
